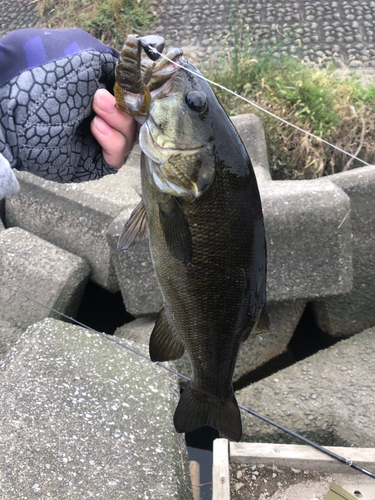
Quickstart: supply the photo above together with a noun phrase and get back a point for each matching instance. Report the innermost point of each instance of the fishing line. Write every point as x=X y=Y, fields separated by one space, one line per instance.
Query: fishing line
x=343 y=460
x=152 y=49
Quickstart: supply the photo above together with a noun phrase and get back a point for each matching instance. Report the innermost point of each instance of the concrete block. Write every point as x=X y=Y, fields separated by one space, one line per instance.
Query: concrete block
x=327 y=397
x=138 y=331
x=284 y=317
x=73 y=216
x=9 y=335
x=251 y=131
x=133 y=169
x=2 y=211
x=308 y=231
x=134 y=270
x=84 y=418
x=2 y=227
x=42 y=271
x=354 y=311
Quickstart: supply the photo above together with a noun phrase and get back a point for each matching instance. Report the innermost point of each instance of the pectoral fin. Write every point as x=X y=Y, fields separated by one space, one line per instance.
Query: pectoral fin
x=135 y=229
x=175 y=228
x=164 y=342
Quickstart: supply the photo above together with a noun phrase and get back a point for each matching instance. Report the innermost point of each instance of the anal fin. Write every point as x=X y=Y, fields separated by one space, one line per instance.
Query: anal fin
x=261 y=326
x=164 y=342
x=135 y=229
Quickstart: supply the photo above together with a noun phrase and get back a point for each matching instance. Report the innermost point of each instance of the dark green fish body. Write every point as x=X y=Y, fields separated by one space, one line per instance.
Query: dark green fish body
x=207 y=242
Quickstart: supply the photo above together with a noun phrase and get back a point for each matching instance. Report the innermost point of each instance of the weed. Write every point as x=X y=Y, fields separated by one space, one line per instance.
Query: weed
x=108 y=20
x=330 y=104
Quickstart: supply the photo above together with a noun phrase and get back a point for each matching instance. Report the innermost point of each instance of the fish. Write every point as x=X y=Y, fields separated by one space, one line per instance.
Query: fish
x=202 y=212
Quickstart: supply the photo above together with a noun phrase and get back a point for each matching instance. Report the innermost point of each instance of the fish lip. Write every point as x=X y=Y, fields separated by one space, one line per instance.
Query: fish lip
x=168 y=149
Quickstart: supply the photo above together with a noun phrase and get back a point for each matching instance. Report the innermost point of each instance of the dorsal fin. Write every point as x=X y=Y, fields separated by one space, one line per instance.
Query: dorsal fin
x=164 y=342
x=135 y=229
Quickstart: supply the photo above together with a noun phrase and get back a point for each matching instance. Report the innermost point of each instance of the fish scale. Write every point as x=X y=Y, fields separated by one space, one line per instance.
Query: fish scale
x=202 y=207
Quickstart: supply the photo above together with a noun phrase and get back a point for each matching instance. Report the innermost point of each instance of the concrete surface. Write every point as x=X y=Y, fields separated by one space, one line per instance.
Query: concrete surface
x=251 y=131
x=84 y=418
x=352 y=312
x=9 y=335
x=2 y=211
x=132 y=169
x=328 y=397
x=138 y=331
x=42 y=271
x=134 y=271
x=73 y=216
x=308 y=231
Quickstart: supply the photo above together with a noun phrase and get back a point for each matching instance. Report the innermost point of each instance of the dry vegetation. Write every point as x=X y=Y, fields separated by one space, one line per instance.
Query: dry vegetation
x=330 y=103
x=108 y=20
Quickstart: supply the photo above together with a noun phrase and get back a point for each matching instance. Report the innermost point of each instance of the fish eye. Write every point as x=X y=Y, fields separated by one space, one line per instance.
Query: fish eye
x=196 y=101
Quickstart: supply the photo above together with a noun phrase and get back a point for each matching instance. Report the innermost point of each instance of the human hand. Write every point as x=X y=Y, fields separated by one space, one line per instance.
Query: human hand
x=48 y=79
x=115 y=131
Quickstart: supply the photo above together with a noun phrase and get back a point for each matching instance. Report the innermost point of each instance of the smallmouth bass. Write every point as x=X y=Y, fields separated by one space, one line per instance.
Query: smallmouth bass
x=202 y=210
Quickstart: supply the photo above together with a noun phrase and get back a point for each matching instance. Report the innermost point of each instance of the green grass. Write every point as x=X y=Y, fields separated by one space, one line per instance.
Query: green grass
x=329 y=104
x=108 y=20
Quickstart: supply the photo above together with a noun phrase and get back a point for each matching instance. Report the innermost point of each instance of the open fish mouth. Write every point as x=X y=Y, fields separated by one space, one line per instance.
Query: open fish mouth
x=165 y=70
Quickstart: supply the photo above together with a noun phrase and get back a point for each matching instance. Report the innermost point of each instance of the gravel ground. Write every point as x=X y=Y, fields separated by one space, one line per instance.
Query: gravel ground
x=270 y=482
x=261 y=482
x=25 y=16
x=312 y=30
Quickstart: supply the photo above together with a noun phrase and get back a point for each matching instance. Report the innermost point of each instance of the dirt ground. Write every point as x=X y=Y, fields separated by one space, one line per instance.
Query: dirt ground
x=260 y=482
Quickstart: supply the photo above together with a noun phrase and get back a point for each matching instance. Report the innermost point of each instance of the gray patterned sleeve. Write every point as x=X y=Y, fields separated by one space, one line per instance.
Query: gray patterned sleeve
x=45 y=116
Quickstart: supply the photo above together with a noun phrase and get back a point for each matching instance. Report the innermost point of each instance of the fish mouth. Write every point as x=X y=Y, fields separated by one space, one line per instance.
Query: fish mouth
x=163 y=169
x=170 y=150
x=166 y=69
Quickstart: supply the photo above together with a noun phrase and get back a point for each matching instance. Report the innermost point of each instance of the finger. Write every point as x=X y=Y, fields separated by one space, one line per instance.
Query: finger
x=104 y=106
x=114 y=144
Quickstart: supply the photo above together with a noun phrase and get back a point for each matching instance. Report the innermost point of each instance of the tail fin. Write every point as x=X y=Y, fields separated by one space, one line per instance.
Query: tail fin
x=196 y=410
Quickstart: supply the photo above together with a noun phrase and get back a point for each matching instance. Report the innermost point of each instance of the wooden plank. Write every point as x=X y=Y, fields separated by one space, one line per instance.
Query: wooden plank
x=195 y=479
x=220 y=470
x=300 y=456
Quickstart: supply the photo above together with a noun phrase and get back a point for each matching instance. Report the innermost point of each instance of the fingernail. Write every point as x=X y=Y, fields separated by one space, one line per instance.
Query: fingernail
x=102 y=126
x=105 y=101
